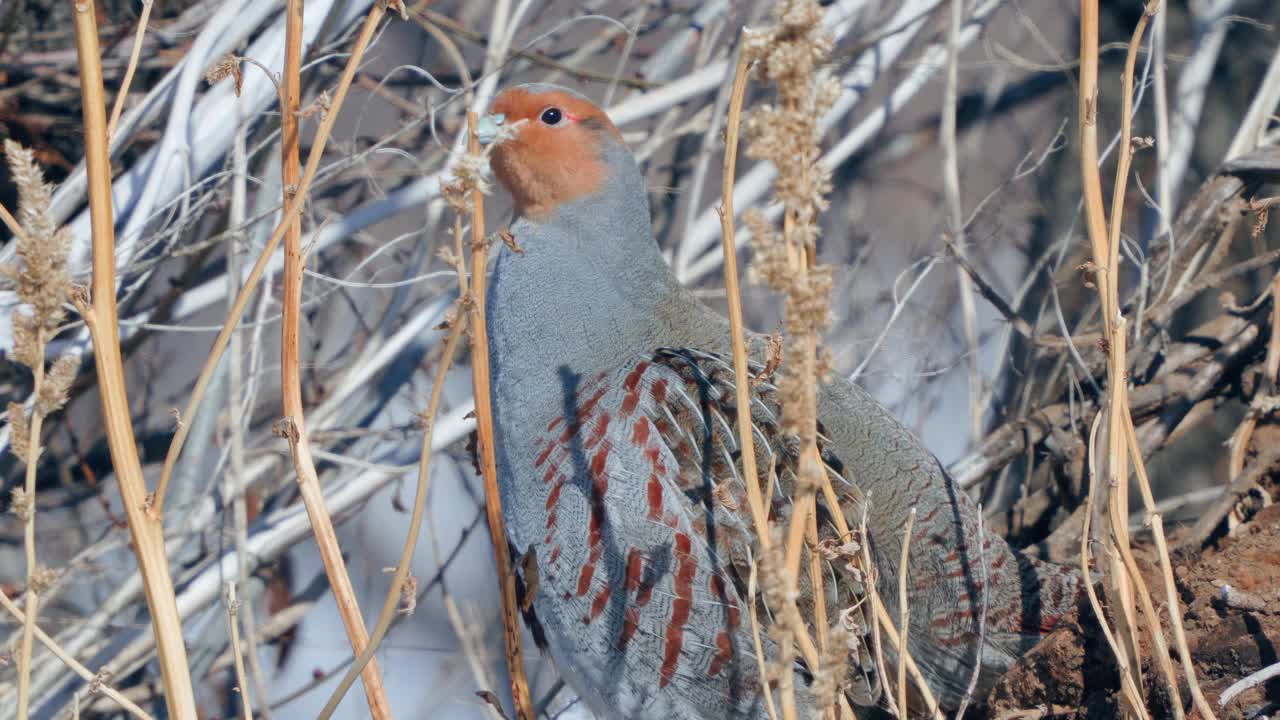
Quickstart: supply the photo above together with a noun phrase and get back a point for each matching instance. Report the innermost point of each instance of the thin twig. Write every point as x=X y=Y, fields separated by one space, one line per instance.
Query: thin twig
x=761 y=662
x=955 y=219
x=982 y=618
x=237 y=653
x=1128 y=688
x=146 y=529
x=484 y=444
x=392 y=601
x=733 y=296
x=1246 y=683
x=904 y=615
x=134 y=54
x=85 y=673
x=236 y=478
x=290 y=213
x=29 y=530
x=291 y=373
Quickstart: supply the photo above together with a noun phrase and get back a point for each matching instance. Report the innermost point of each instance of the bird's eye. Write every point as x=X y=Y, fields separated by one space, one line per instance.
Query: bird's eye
x=552 y=116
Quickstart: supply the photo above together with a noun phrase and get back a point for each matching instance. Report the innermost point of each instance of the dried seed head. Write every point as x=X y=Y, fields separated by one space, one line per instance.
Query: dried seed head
x=227 y=66
x=41 y=278
x=19 y=432
x=469 y=172
x=26 y=348
x=21 y=504
x=53 y=391
x=42 y=578
x=408 y=596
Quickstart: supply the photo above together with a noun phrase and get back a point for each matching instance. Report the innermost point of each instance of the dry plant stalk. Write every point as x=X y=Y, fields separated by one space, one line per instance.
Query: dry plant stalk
x=134 y=55
x=904 y=615
x=96 y=682
x=792 y=50
x=1122 y=446
x=485 y=448
x=42 y=284
x=456 y=325
x=294 y=422
x=291 y=212
x=102 y=320
x=233 y=626
x=786 y=133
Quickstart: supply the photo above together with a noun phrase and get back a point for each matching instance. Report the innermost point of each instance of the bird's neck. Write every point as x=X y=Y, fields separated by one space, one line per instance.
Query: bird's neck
x=588 y=291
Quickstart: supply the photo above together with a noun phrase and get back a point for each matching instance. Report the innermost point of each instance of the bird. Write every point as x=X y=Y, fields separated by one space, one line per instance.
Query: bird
x=619 y=472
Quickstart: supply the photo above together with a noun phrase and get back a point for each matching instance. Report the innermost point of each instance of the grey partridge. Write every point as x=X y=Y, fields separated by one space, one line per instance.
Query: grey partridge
x=614 y=413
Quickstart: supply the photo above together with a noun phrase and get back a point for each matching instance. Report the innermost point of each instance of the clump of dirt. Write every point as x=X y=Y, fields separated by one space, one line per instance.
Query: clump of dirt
x=1072 y=674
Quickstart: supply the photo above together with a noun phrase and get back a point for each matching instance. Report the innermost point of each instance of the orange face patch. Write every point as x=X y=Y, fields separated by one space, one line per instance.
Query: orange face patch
x=555 y=155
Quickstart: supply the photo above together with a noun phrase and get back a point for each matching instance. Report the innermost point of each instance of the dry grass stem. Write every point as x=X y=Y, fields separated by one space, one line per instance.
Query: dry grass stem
x=752 y=583
x=1129 y=690
x=134 y=54
x=42 y=283
x=295 y=427
x=1129 y=586
x=733 y=296
x=904 y=615
x=10 y=222
x=882 y=625
x=294 y=423
x=788 y=56
x=85 y=673
x=291 y=213
x=391 y=604
x=485 y=448
x=237 y=653
x=102 y=320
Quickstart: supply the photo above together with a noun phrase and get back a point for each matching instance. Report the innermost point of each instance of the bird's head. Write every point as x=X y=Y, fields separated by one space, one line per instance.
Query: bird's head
x=554 y=146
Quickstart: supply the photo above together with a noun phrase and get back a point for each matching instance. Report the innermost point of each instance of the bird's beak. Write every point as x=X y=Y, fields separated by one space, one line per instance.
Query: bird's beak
x=487 y=128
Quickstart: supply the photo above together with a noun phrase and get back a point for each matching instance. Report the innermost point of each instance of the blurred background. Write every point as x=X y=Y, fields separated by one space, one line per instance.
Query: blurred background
x=964 y=342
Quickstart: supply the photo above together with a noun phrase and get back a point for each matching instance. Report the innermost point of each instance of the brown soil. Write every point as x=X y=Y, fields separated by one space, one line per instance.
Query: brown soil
x=1072 y=674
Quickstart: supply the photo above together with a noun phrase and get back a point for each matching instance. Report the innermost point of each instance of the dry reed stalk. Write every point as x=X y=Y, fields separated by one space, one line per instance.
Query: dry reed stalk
x=294 y=422
x=41 y=283
x=1122 y=442
x=85 y=673
x=237 y=653
x=291 y=212
x=29 y=533
x=787 y=134
x=733 y=296
x=904 y=615
x=881 y=622
x=737 y=339
x=101 y=318
x=870 y=579
x=1128 y=688
x=1096 y=224
x=755 y=632
x=484 y=445
x=1120 y=401
x=398 y=580
x=134 y=55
